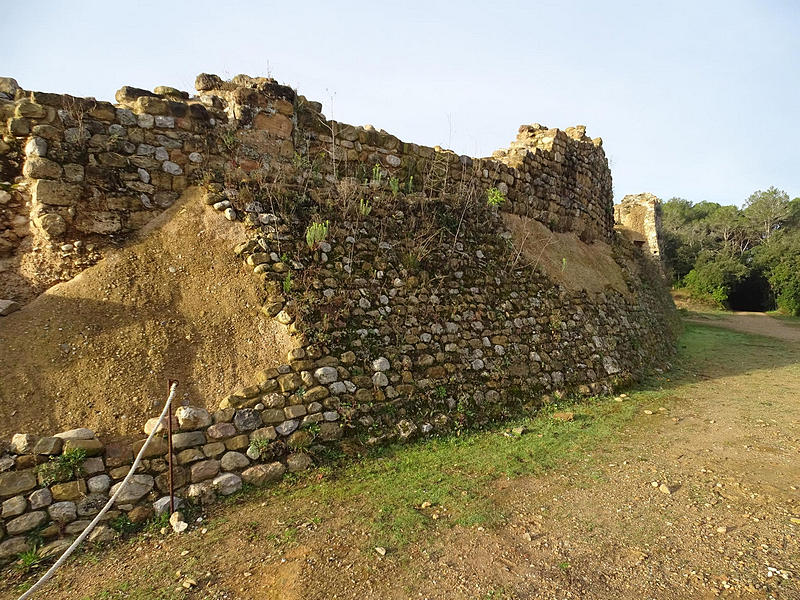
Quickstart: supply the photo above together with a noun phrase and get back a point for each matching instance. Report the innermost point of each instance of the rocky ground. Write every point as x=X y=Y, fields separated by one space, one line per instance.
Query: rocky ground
x=695 y=495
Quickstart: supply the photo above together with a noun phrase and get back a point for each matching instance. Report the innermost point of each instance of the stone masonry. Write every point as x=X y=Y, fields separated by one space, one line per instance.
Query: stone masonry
x=639 y=218
x=385 y=259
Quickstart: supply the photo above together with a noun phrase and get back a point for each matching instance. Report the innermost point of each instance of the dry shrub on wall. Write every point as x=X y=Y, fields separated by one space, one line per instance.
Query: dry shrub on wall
x=348 y=192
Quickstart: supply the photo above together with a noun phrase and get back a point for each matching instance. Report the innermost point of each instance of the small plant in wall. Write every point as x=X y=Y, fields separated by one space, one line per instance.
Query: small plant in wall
x=300 y=162
x=123 y=525
x=377 y=175
x=63 y=467
x=287 y=283
x=316 y=233
x=259 y=445
x=394 y=185
x=229 y=140
x=364 y=207
x=28 y=560
x=494 y=197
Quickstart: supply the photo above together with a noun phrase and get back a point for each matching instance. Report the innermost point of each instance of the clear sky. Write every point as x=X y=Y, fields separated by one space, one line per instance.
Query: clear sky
x=695 y=99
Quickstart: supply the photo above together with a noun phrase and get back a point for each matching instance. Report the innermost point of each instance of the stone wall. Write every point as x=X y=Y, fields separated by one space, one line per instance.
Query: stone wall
x=639 y=218
x=413 y=311
x=78 y=175
x=213 y=455
x=559 y=178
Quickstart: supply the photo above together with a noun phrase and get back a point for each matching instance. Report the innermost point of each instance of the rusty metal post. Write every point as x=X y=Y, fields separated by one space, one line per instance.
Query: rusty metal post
x=169 y=444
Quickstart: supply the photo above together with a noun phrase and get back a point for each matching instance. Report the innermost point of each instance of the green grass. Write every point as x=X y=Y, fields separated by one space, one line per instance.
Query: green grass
x=454 y=474
x=29 y=560
x=725 y=351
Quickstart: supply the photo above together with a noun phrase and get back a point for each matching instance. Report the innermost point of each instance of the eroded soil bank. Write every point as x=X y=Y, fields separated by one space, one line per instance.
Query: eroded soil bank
x=96 y=351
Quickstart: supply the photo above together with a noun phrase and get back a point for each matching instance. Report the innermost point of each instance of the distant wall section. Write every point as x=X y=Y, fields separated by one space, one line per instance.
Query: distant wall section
x=638 y=217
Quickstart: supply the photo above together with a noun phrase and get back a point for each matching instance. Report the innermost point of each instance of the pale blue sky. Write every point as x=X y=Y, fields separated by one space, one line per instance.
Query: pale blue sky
x=693 y=99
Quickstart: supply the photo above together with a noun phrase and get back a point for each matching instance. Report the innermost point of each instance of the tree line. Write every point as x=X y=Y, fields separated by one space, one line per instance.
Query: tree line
x=746 y=258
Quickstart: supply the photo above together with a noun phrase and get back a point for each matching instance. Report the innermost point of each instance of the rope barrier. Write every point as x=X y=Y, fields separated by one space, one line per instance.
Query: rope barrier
x=51 y=571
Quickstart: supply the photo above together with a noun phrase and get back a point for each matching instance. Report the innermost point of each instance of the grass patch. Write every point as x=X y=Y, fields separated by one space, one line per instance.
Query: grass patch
x=400 y=491
x=724 y=350
x=450 y=479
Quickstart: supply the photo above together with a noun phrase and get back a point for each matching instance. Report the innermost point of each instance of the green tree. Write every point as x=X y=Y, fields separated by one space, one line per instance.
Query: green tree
x=724 y=222
x=688 y=229
x=717 y=250
x=715 y=276
x=779 y=260
x=766 y=210
x=675 y=213
x=794 y=214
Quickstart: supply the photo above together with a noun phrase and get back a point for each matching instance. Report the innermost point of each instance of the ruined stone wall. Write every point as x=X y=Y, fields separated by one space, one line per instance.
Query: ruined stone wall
x=81 y=174
x=638 y=217
x=413 y=311
x=560 y=178
x=78 y=174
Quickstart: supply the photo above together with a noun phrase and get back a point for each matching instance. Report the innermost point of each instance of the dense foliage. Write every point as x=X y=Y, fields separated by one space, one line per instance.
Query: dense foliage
x=739 y=258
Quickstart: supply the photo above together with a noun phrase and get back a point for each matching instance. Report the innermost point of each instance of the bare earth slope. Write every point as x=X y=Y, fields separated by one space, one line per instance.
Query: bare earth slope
x=97 y=351
x=563 y=257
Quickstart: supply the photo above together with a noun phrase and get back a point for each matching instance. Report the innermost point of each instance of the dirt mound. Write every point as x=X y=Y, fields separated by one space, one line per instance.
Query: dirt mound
x=564 y=257
x=97 y=351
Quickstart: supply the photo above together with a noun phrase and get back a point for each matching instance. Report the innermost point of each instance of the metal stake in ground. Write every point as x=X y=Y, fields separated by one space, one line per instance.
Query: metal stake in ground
x=169 y=437
x=136 y=462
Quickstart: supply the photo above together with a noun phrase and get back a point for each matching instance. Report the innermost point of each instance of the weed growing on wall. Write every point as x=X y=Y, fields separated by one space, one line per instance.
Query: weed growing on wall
x=347 y=190
x=259 y=445
x=29 y=560
x=494 y=197
x=364 y=207
x=228 y=139
x=316 y=233
x=62 y=467
x=287 y=283
x=377 y=175
x=394 y=185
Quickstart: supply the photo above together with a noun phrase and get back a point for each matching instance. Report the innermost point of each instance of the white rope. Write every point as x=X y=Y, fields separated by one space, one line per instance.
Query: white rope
x=108 y=505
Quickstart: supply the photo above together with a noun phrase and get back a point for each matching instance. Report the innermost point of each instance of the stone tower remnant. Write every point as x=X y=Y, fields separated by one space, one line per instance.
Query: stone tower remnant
x=638 y=217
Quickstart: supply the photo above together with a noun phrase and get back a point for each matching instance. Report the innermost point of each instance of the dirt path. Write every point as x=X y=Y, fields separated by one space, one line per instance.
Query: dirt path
x=750 y=322
x=695 y=498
